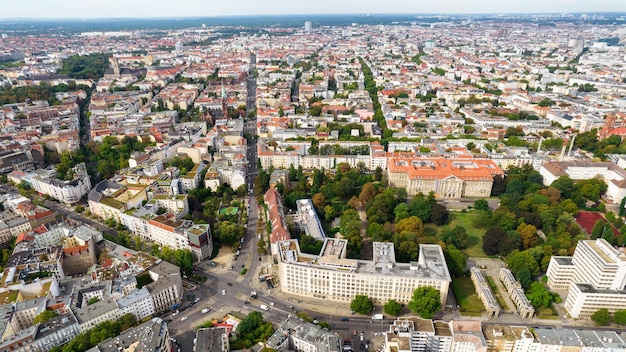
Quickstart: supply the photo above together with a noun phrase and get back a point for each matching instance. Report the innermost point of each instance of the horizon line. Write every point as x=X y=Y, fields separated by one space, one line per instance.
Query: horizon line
x=363 y=14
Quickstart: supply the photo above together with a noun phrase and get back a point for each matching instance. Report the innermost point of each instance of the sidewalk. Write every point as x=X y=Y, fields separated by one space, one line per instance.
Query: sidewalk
x=308 y=303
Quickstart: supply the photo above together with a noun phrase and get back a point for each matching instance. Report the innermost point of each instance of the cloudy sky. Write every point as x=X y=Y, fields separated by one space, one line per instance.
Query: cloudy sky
x=209 y=8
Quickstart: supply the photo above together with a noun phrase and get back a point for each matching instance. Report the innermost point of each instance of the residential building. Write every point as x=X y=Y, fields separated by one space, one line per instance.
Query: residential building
x=57 y=331
x=124 y=202
x=137 y=303
x=332 y=277
x=297 y=335
x=414 y=334
x=68 y=192
x=212 y=340
x=166 y=289
x=151 y=336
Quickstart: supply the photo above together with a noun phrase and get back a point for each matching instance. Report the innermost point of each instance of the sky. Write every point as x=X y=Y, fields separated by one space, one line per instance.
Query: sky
x=80 y=9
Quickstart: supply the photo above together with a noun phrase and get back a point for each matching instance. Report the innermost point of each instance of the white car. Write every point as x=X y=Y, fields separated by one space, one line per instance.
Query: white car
x=183 y=318
x=223 y=292
x=197 y=300
x=175 y=313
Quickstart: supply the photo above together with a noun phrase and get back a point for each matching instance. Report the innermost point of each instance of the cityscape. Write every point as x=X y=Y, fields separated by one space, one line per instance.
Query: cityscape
x=272 y=180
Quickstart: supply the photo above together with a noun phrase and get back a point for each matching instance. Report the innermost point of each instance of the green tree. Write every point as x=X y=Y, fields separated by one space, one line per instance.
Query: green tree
x=528 y=234
x=598 y=229
x=425 y=302
x=420 y=207
x=601 y=317
x=457 y=260
x=412 y=224
x=539 y=296
x=229 y=232
x=619 y=317
x=362 y=304
x=392 y=307
x=367 y=193
x=456 y=236
x=402 y=211
x=517 y=261
x=492 y=240
x=524 y=278
x=439 y=214
x=481 y=204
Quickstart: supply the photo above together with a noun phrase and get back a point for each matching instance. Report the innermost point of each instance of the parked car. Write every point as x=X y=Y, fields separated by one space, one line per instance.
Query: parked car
x=183 y=318
x=345 y=319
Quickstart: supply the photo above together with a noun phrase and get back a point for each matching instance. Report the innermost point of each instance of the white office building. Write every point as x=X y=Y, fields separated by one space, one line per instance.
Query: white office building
x=333 y=277
x=595 y=276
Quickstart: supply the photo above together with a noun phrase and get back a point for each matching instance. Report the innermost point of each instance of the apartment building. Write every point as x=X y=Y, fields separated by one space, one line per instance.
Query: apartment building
x=125 y=203
x=414 y=334
x=68 y=192
x=447 y=178
x=213 y=339
x=299 y=336
x=595 y=277
x=166 y=289
x=331 y=276
x=57 y=331
x=137 y=303
x=152 y=335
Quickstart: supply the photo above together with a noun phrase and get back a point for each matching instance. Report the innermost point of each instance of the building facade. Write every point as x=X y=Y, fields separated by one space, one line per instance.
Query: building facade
x=331 y=276
x=446 y=178
x=595 y=276
x=68 y=192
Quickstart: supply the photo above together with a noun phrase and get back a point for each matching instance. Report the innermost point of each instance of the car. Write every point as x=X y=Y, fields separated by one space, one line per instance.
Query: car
x=315 y=321
x=260 y=259
x=183 y=318
x=175 y=313
x=246 y=302
x=223 y=292
x=196 y=300
x=345 y=319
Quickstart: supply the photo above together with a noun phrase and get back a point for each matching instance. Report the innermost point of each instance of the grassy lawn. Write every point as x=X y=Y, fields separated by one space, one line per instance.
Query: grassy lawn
x=466 y=296
x=496 y=292
x=475 y=240
x=547 y=313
